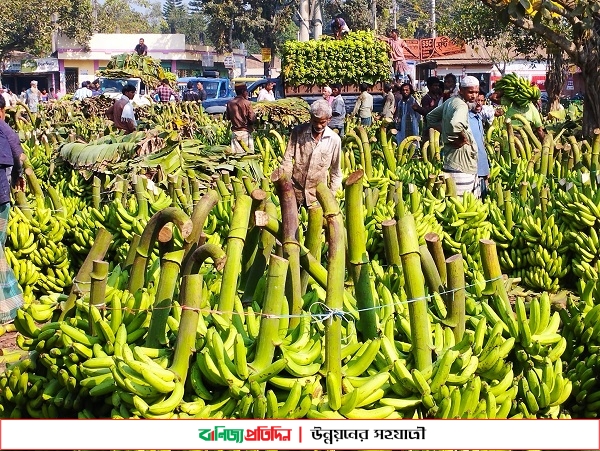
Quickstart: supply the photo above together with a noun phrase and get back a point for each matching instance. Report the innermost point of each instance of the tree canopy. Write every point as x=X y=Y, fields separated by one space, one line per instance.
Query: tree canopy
x=28 y=25
x=573 y=26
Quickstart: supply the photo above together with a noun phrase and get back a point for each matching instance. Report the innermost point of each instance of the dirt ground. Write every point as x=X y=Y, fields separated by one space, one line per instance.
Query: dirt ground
x=7 y=343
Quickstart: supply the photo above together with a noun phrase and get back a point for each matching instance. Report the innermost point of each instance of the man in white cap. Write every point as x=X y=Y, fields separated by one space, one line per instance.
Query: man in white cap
x=459 y=149
x=33 y=97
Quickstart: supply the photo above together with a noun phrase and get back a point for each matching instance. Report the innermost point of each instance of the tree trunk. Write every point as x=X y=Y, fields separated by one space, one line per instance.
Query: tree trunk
x=589 y=63
x=591 y=100
x=556 y=76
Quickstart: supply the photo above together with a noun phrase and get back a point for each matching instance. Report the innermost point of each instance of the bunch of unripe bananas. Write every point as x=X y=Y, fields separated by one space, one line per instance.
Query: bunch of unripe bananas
x=518 y=89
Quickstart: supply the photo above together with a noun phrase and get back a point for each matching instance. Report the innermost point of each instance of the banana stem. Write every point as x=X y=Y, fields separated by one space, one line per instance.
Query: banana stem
x=207 y=250
x=101 y=244
x=314 y=233
x=135 y=241
x=434 y=245
x=268 y=334
x=456 y=297
x=415 y=291
x=148 y=239
x=335 y=279
x=400 y=206
x=163 y=300
x=98 y=277
x=142 y=201
x=430 y=271
x=251 y=247
x=56 y=202
x=508 y=210
x=23 y=204
x=450 y=187
x=390 y=242
x=235 y=246
x=191 y=295
x=265 y=248
x=545 y=152
x=358 y=256
x=199 y=214
x=96 y=192
x=33 y=183
x=366 y=148
x=388 y=153
x=291 y=247
x=493 y=273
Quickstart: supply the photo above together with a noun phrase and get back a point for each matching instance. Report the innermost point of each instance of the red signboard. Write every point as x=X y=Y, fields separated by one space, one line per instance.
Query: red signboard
x=431 y=48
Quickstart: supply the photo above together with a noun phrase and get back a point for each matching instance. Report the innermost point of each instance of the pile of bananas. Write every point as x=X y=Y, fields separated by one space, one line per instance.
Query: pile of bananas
x=465 y=223
x=580 y=329
x=518 y=90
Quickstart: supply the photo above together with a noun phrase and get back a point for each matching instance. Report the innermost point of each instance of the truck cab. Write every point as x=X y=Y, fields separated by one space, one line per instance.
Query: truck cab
x=218 y=92
x=111 y=87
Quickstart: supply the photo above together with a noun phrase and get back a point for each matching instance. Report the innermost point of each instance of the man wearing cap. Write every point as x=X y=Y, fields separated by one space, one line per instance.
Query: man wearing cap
x=33 y=97
x=459 y=149
x=239 y=111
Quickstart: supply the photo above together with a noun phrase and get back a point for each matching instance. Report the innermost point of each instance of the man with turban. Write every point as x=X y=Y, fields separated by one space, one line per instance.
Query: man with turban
x=459 y=149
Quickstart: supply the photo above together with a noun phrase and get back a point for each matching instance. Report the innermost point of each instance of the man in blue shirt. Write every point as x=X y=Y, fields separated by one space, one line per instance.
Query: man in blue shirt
x=483 y=164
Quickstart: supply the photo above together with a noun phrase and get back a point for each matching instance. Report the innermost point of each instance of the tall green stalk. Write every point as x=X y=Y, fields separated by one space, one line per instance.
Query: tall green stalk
x=335 y=279
x=366 y=147
x=291 y=247
x=268 y=334
x=360 y=269
x=200 y=255
x=434 y=244
x=265 y=248
x=98 y=277
x=149 y=236
x=314 y=235
x=456 y=295
x=102 y=242
x=190 y=294
x=235 y=246
x=199 y=214
x=390 y=242
x=415 y=291
x=163 y=300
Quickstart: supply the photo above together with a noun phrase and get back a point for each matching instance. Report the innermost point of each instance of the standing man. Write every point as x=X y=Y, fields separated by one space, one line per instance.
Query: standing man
x=407 y=119
x=33 y=97
x=201 y=91
x=364 y=105
x=11 y=159
x=239 y=111
x=312 y=154
x=141 y=49
x=189 y=95
x=389 y=102
x=459 y=150
x=5 y=94
x=397 y=46
x=326 y=93
x=449 y=87
x=476 y=119
x=165 y=92
x=428 y=103
x=338 y=108
x=266 y=94
x=84 y=92
x=121 y=112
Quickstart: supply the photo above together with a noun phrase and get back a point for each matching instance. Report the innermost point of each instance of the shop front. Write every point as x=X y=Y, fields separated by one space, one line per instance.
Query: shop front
x=18 y=74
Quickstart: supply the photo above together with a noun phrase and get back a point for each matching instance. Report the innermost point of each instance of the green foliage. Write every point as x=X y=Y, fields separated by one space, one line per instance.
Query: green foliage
x=116 y=16
x=27 y=26
x=478 y=26
x=358 y=58
x=146 y=68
